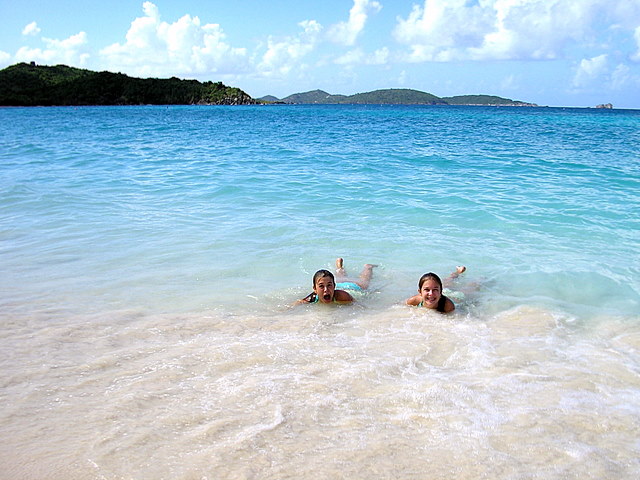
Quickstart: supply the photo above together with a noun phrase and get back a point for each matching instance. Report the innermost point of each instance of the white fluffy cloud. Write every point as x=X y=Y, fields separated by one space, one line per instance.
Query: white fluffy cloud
x=380 y=56
x=70 y=51
x=284 y=54
x=597 y=73
x=444 y=30
x=31 y=29
x=589 y=70
x=347 y=32
x=157 y=48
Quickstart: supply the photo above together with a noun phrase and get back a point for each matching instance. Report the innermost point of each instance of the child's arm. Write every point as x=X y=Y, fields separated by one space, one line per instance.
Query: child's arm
x=413 y=301
x=308 y=299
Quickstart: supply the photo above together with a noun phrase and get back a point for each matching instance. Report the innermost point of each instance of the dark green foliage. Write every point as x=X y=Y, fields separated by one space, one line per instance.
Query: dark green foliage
x=389 y=96
x=31 y=85
x=481 y=100
x=314 y=96
x=395 y=96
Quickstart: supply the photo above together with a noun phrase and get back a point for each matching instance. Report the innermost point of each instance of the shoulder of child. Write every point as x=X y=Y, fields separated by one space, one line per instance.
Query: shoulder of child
x=342 y=296
x=449 y=306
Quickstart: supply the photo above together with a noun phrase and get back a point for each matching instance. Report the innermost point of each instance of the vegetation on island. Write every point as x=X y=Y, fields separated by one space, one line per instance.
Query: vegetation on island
x=36 y=85
x=394 y=96
x=482 y=100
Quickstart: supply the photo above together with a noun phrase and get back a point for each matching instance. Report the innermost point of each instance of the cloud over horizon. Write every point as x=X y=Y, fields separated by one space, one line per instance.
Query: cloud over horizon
x=71 y=51
x=154 y=47
x=31 y=29
x=347 y=32
x=455 y=30
x=598 y=41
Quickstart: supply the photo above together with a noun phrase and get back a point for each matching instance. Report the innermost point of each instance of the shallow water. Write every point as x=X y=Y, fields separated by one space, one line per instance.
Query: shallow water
x=151 y=255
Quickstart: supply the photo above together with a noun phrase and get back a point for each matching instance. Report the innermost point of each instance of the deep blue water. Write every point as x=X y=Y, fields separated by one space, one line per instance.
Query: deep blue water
x=193 y=208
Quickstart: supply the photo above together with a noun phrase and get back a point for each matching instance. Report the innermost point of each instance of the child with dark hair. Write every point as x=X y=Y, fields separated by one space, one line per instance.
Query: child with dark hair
x=430 y=292
x=326 y=290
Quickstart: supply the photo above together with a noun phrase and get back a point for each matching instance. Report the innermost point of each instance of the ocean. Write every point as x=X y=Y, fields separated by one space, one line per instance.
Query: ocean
x=151 y=258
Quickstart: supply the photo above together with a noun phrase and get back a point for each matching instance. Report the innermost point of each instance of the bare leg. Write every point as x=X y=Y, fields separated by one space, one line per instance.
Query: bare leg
x=459 y=269
x=365 y=275
x=340 y=272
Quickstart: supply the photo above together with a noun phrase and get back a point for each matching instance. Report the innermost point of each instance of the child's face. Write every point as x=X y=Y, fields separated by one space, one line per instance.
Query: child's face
x=430 y=293
x=325 y=288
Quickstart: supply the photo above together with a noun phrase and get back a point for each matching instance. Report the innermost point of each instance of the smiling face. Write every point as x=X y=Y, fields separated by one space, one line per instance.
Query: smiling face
x=430 y=293
x=430 y=290
x=324 y=288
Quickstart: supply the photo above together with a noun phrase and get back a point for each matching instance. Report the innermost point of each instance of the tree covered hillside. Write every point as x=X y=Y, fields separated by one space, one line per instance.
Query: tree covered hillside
x=394 y=96
x=32 y=85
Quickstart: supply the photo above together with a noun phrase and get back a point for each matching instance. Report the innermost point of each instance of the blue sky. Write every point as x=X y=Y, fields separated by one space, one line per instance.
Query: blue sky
x=549 y=52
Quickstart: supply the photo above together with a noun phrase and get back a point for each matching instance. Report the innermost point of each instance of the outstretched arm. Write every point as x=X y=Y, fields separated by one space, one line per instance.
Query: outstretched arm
x=413 y=301
x=308 y=299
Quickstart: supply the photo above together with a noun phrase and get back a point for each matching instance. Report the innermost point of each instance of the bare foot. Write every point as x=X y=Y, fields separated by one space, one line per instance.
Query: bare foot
x=366 y=274
x=340 y=266
x=459 y=269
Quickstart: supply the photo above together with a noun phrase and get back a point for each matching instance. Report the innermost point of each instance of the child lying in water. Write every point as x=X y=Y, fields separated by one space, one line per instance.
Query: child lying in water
x=326 y=290
x=430 y=292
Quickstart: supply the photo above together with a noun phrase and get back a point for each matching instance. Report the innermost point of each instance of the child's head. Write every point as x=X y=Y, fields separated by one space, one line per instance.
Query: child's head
x=324 y=285
x=430 y=289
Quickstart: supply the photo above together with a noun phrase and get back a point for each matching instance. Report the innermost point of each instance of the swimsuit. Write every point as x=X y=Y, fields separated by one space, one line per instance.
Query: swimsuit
x=348 y=286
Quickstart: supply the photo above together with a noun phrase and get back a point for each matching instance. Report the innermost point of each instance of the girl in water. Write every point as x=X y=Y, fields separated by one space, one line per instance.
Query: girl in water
x=326 y=290
x=430 y=292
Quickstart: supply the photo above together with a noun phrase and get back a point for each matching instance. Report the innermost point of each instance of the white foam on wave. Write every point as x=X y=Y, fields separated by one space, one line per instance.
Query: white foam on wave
x=350 y=384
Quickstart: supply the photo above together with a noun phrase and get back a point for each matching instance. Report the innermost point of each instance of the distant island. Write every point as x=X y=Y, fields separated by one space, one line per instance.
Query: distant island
x=394 y=96
x=30 y=85
x=36 y=85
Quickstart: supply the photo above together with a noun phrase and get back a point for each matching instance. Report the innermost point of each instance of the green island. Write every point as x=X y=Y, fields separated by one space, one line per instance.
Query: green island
x=395 y=96
x=36 y=85
x=28 y=85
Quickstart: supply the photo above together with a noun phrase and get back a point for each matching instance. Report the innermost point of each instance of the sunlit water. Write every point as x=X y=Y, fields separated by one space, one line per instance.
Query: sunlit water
x=149 y=258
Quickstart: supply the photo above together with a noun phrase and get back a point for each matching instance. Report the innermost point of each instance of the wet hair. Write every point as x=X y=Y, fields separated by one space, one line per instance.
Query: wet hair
x=428 y=276
x=322 y=273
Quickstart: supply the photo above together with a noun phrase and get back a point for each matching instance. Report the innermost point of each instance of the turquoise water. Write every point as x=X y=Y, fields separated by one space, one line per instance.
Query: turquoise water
x=113 y=207
x=150 y=255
